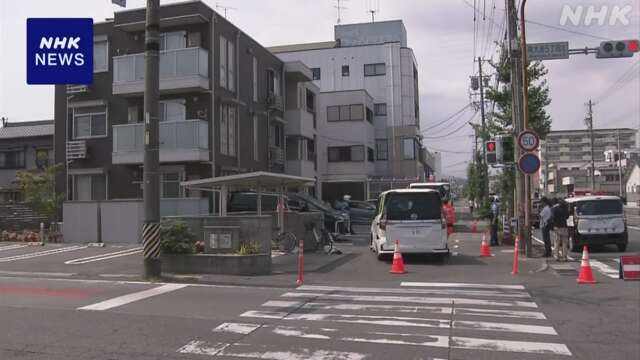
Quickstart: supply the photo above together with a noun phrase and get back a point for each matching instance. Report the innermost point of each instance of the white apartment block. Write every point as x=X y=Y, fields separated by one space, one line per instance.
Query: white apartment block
x=368 y=106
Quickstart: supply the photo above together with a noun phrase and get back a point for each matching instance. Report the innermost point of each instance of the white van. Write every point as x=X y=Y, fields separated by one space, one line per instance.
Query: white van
x=597 y=220
x=412 y=216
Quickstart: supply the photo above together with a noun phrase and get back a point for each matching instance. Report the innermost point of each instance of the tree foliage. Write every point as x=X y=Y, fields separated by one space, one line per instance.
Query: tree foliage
x=40 y=190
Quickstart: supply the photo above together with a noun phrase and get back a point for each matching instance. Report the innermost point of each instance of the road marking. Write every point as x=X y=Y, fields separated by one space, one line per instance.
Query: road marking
x=405 y=309
x=633 y=227
x=12 y=247
x=266 y=352
x=119 y=275
x=462 y=285
x=509 y=345
x=474 y=293
x=41 y=253
x=402 y=321
x=129 y=298
x=410 y=299
x=35 y=273
x=237 y=328
x=605 y=269
x=106 y=256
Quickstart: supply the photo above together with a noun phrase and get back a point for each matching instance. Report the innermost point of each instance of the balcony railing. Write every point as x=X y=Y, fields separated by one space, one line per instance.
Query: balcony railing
x=184 y=140
x=179 y=68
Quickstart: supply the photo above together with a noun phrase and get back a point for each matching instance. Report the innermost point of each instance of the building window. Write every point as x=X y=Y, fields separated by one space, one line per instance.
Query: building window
x=346 y=153
x=311 y=150
x=275 y=135
x=227 y=64
x=345 y=70
x=172 y=110
x=228 y=130
x=369 y=115
x=132 y=114
x=231 y=67
x=89 y=122
x=255 y=138
x=89 y=187
x=381 y=149
x=316 y=73
x=408 y=149
x=380 y=109
x=273 y=83
x=11 y=159
x=352 y=112
x=223 y=62
x=255 y=79
x=43 y=158
x=311 y=101
x=170 y=185
x=100 y=55
x=375 y=69
x=173 y=40
x=370 y=156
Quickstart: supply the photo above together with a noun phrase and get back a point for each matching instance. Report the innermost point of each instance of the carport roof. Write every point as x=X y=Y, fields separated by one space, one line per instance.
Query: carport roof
x=250 y=180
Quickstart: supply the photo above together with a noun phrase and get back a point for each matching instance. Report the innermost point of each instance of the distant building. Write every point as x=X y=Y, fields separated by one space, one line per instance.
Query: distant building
x=24 y=145
x=369 y=115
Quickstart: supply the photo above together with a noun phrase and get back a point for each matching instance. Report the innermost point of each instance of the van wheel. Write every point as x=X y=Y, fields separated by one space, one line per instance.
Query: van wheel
x=622 y=247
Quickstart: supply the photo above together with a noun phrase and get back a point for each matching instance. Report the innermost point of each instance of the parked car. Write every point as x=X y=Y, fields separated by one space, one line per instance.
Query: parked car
x=248 y=201
x=415 y=218
x=597 y=220
x=360 y=212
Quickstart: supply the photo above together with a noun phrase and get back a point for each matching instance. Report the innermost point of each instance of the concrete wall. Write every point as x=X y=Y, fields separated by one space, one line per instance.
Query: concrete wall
x=121 y=221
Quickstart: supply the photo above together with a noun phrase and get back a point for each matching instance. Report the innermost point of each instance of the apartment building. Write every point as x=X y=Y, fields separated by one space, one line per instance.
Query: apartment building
x=24 y=145
x=369 y=114
x=222 y=109
x=566 y=159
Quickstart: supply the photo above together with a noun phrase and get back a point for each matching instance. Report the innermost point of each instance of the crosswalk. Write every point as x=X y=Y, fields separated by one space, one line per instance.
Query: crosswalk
x=416 y=320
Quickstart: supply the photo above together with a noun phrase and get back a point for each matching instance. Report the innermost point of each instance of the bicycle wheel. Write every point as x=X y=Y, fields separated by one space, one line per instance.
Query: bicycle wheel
x=327 y=242
x=287 y=242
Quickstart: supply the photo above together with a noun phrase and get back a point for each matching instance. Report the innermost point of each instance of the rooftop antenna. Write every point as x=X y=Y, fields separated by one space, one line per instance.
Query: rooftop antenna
x=339 y=8
x=373 y=7
x=224 y=9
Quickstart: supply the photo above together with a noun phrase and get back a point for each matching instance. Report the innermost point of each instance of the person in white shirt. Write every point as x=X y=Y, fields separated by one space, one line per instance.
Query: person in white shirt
x=546 y=224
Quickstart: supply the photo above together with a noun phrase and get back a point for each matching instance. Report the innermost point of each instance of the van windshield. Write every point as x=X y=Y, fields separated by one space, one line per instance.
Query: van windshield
x=413 y=206
x=599 y=207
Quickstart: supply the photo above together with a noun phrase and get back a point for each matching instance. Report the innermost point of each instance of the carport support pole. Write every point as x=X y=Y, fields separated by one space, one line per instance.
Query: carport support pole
x=151 y=225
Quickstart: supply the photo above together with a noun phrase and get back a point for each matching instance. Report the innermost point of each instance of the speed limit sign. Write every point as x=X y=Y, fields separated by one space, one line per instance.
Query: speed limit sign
x=528 y=140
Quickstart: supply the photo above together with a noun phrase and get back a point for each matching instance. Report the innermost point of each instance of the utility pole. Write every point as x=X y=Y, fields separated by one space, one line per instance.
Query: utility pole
x=619 y=163
x=528 y=249
x=516 y=88
x=483 y=134
x=589 y=121
x=151 y=177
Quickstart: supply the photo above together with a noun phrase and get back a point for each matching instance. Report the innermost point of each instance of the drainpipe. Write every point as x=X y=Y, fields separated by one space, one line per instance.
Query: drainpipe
x=213 y=112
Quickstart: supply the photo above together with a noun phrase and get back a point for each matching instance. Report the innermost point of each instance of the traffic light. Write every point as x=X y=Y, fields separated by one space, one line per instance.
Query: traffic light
x=617 y=49
x=490 y=150
x=505 y=149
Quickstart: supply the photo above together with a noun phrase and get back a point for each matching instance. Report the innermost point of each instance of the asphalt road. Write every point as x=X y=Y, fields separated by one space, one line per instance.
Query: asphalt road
x=62 y=302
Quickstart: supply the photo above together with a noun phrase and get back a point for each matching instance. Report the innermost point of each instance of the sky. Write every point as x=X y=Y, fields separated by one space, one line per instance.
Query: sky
x=441 y=33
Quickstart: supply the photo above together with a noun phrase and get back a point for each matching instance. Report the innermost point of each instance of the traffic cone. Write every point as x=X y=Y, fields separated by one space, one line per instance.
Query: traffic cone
x=514 y=272
x=397 y=267
x=586 y=275
x=474 y=227
x=449 y=230
x=484 y=248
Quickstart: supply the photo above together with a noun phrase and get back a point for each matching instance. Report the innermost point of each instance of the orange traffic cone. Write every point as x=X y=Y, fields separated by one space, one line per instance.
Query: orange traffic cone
x=397 y=267
x=474 y=227
x=484 y=248
x=514 y=272
x=586 y=275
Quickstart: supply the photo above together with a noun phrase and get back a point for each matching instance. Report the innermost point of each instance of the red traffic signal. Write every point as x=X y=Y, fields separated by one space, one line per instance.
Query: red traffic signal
x=490 y=146
x=618 y=49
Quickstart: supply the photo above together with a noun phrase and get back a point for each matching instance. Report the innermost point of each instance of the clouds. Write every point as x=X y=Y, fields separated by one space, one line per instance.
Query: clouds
x=441 y=33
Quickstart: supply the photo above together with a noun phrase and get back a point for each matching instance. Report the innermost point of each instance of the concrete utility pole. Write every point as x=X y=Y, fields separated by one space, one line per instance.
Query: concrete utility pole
x=619 y=163
x=525 y=126
x=589 y=121
x=516 y=88
x=484 y=132
x=151 y=225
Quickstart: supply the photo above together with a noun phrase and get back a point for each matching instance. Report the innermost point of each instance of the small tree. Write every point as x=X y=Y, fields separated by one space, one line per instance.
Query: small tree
x=39 y=187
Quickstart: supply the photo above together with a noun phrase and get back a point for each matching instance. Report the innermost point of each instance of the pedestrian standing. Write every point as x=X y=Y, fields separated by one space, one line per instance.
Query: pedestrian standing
x=495 y=211
x=560 y=213
x=471 y=206
x=546 y=224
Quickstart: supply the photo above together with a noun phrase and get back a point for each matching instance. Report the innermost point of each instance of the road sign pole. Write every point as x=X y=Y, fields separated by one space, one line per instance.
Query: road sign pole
x=525 y=123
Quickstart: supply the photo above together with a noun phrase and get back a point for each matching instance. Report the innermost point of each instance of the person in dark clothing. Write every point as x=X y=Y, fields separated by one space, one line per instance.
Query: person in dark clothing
x=546 y=224
x=560 y=213
x=495 y=211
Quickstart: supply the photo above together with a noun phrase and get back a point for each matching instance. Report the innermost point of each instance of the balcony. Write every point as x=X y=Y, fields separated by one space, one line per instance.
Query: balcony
x=181 y=70
x=300 y=122
x=180 y=141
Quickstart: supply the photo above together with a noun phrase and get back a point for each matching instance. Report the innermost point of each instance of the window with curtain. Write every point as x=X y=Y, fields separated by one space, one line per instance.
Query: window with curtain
x=89 y=122
x=408 y=149
x=223 y=61
x=89 y=187
x=228 y=136
x=100 y=56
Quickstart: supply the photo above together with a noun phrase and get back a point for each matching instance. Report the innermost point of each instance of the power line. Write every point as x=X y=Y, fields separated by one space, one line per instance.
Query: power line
x=627 y=77
x=454 y=131
x=566 y=30
x=447 y=119
x=447 y=151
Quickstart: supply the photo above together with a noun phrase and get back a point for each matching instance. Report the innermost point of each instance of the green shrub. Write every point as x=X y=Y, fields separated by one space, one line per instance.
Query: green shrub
x=249 y=248
x=176 y=237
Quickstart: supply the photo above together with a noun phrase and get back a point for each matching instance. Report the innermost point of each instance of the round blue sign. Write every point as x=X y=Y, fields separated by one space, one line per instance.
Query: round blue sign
x=529 y=163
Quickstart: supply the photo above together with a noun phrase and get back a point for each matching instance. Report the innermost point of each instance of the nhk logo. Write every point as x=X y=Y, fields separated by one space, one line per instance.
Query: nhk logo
x=59 y=51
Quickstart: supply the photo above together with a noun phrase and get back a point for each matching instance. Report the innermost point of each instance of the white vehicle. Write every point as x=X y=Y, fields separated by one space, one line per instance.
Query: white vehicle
x=596 y=220
x=413 y=217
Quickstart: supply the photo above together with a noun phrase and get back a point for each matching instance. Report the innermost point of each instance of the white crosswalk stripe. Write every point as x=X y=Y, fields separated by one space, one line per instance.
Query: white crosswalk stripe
x=432 y=319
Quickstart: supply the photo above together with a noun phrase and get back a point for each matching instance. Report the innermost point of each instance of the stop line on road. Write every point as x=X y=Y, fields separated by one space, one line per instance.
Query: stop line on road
x=417 y=315
x=42 y=253
x=107 y=256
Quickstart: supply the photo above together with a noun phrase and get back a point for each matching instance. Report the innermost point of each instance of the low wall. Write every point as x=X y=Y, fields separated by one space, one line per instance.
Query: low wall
x=633 y=215
x=224 y=264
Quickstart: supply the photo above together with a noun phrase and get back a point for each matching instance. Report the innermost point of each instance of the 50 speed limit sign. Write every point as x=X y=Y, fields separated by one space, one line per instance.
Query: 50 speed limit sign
x=528 y=140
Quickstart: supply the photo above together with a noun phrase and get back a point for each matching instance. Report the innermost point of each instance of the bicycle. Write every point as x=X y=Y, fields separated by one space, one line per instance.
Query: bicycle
x=284 y=241
x=324 y=239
